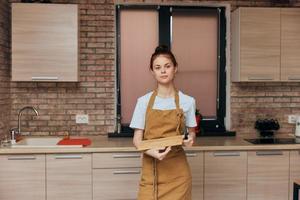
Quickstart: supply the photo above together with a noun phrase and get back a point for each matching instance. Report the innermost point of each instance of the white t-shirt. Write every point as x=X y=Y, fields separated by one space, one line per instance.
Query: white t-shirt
x=186 y=103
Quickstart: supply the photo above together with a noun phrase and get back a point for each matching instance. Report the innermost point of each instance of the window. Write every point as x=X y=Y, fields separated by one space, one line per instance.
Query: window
x=196 y=36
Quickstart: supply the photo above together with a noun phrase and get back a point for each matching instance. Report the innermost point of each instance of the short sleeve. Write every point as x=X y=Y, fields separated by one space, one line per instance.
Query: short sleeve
x=138 y=117
x=190 y=114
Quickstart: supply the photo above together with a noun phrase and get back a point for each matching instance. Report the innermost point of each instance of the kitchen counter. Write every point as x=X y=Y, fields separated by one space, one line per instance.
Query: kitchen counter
x=105 y=144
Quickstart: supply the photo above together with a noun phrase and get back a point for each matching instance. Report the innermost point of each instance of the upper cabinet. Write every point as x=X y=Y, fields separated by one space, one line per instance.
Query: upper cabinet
x=290 y=44
x=45 y=42
x=265 y=44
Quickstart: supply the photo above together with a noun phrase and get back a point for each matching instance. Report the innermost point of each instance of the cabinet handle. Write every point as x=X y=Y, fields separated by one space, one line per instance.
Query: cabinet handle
x=47 y=78
x=126 y=172
x=268 y=153
x=21 y=158
x=127 y=156
x=68 y=156
x=259 y=78
x=293 y=77
x=234 y=153
x=191 y=155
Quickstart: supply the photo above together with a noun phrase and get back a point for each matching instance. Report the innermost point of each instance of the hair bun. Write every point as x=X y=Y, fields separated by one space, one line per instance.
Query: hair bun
x=162 y=49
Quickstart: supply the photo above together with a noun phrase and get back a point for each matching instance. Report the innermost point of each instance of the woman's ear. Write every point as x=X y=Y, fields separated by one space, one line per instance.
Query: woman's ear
x=176 y=69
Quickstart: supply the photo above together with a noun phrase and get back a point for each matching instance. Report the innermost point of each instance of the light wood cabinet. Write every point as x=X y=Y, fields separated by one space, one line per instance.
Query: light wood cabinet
x=45 y=42
x=256 y=44
x=69 y=176
x=290 y=44
x=116 y=175
x=268 y=175
x=294 y=170
x=225 y=175
x=196 y=162
x=22 y=177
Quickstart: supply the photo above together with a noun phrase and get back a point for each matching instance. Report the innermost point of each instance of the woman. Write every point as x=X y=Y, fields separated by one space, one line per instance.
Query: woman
x=162 y=113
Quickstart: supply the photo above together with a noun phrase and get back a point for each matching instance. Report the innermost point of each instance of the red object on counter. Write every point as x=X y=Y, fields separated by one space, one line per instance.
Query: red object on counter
x=75 y=141
x=198 y=120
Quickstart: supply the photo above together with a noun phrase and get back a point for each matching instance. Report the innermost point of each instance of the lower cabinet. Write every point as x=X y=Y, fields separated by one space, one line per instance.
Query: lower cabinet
x=196 y=163
x=225 y=175
x=294 y=170
x=69 y=176
x=22 y=177
x=116 y=175
x=268 y=175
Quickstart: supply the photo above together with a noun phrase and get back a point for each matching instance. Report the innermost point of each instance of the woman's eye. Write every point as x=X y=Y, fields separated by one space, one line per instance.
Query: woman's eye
x=157 y=67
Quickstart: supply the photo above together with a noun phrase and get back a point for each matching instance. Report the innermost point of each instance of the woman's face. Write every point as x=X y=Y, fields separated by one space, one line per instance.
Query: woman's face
x=163 y=69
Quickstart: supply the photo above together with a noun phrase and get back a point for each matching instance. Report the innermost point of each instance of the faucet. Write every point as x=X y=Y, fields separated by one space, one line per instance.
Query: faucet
x=20 y=114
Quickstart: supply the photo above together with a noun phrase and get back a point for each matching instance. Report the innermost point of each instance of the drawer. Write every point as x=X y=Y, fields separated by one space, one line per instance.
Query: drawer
x=116 y=184
x=117 y=160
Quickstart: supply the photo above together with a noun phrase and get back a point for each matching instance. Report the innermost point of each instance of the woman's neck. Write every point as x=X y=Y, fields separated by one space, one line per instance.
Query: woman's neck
x=166 y=91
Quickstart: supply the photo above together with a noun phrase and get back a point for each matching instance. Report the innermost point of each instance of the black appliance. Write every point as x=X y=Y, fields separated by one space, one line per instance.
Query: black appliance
x=266 y=127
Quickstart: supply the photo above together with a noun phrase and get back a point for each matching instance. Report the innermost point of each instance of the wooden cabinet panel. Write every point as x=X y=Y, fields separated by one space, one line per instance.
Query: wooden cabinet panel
x=44 y=42
x=268 y=175
x=225 y=175
x=116 y=183
x=69 y=176
x=290 y=44
x=117 y=160
x=294 y=170
x=256 y=43
x=196 y=162
x=22 y=177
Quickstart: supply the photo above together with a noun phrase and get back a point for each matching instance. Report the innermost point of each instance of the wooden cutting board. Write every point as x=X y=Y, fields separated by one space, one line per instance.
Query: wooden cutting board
x=160 y=143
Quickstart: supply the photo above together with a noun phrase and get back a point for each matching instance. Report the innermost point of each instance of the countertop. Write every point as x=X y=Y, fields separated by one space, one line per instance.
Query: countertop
x=105 y=144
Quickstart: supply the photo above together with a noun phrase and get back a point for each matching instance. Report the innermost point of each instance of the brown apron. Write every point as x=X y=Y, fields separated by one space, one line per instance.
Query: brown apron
x=169 y=179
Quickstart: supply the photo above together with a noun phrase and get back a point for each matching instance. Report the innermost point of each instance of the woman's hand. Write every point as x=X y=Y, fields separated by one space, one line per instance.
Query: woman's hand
x=191 y=138
x=158 y=153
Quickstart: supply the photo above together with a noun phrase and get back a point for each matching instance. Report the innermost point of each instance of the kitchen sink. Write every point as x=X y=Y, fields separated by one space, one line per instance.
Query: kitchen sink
x=274 y=141
x=41 y=142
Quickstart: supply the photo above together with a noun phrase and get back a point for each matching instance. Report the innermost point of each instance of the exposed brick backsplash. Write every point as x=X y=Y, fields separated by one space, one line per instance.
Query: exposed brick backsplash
x=58 y=103
x=4 y=67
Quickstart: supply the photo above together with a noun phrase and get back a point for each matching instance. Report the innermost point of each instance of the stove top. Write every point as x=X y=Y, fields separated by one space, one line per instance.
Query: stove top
x=274 y=140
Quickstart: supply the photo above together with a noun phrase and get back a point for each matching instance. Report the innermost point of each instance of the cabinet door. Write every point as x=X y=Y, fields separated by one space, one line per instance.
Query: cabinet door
x=290 y=44
x=268 y=175
x=44 y=42
x=69 y=176
x=22 y=177
x=256 y=44
x=225 y=175
x=196 y=163
x=117 y=183
x=294 y=170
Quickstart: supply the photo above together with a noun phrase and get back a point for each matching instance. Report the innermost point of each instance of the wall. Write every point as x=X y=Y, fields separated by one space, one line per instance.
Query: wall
x=4 y=67
x=94 y=95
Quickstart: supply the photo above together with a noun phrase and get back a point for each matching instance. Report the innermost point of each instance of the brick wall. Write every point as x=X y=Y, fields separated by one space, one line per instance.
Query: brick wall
x=94 y=95
x=4 y=67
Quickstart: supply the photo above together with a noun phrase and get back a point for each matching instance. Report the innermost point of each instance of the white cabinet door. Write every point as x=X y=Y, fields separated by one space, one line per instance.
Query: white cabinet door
x=22 y=177
x=69 y=177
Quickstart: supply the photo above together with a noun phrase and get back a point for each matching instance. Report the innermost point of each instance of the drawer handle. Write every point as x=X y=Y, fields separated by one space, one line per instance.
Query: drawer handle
x=68 y=157
x=21 y=158
x=268 y=153
x=259 y=78
x=126 y=172
x=127 y=156
x=227 y=153
x=294 y=77
x=48 y=78
x=191 y=155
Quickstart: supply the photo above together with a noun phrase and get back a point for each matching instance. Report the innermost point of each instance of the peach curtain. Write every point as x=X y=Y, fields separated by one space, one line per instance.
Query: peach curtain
x=195 y=45
x=139 y=37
